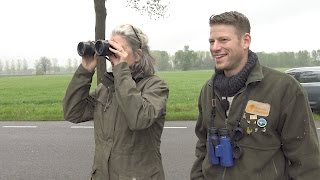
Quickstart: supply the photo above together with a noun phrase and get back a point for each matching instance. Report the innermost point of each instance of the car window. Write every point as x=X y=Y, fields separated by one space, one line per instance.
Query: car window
x=310 y=76
x=306 y=76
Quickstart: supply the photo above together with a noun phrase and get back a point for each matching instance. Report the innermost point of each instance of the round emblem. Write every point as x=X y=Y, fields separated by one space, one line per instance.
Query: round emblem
x=262 y=122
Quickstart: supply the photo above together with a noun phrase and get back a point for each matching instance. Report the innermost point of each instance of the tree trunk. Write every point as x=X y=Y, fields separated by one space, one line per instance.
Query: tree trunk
x=101 y=14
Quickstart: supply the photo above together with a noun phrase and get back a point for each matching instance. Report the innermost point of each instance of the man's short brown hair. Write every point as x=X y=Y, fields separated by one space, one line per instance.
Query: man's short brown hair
x=234 y=18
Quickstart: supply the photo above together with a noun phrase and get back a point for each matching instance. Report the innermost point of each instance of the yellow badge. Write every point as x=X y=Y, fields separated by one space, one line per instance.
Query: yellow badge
x=253 y=117
x=258 y=108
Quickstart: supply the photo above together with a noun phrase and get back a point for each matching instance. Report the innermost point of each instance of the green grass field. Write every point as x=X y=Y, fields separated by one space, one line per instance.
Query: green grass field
x=184 y=91
x=40 y=97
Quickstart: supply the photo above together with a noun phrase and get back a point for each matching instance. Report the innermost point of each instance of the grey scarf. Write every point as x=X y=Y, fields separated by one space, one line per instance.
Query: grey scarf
x=229 y=86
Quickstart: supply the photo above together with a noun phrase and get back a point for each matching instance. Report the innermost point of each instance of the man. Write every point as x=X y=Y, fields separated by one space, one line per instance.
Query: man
x=254 y=122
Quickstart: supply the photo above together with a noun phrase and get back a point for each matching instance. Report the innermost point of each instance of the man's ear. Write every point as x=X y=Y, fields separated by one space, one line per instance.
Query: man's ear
x=246 y=41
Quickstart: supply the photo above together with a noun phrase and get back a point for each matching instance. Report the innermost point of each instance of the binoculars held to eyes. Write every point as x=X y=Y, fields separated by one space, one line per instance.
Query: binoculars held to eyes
x=100 y=47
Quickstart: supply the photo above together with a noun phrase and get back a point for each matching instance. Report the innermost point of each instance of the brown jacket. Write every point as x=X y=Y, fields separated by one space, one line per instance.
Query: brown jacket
x=128 y=114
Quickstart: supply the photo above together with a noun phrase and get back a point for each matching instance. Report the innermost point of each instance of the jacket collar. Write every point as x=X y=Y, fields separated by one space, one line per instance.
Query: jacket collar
x=109 y=78
x=256 y=74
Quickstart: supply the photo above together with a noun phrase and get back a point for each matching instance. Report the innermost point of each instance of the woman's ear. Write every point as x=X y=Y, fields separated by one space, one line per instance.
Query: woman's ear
x=139 y=54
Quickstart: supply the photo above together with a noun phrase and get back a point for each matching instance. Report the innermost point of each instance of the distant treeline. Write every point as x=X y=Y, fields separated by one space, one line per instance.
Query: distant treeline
x=193 y=60
x=184 y=60
x=290 y=59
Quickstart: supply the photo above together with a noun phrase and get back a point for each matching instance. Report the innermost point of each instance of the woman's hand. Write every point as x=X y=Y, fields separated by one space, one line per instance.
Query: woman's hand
x=89 y=62
x=120 y=53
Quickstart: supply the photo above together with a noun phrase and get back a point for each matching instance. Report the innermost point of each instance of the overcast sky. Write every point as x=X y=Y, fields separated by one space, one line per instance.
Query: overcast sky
x=30 y=29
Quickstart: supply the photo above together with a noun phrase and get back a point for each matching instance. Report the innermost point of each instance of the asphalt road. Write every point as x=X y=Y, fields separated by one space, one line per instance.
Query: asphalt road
x=64 y=151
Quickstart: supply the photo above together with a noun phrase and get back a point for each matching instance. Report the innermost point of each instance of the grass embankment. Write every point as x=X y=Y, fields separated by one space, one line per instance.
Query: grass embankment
x=40 y=97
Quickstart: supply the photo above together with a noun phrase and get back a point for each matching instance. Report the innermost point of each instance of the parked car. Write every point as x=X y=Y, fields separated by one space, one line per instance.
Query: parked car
x=309 y=78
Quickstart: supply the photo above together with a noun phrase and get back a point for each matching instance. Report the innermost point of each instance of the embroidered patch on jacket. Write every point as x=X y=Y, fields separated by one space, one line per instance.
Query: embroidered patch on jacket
x=258 y=108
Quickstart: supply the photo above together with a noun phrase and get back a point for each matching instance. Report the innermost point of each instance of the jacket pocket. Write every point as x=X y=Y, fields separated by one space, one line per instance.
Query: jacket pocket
x=104 y=96
x=151 y=176
x=93 y=172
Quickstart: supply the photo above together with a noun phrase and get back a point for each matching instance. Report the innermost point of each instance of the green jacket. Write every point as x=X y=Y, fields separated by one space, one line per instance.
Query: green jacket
x=128 y=114
x=286 y=148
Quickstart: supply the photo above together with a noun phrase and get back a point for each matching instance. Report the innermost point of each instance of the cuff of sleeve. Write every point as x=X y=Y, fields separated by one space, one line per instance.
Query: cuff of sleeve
x=82 y=71
x=121 y=69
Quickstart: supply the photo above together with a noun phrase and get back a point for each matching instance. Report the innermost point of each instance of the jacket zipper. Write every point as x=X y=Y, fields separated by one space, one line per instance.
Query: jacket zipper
x=223 y=174
x=275 y=168
x=108 y=100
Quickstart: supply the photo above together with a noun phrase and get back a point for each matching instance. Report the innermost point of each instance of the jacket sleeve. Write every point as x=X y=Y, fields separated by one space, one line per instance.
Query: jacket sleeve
x=299 y=138
x=78 y=104
x=201 y=150
x=141 y=108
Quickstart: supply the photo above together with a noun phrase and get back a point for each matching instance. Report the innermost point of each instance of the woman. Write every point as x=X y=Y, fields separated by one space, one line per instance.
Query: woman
x=128 y=109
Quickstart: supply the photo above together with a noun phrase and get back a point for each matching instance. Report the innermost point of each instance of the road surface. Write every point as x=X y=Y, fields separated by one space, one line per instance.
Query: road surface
x=61 y=150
